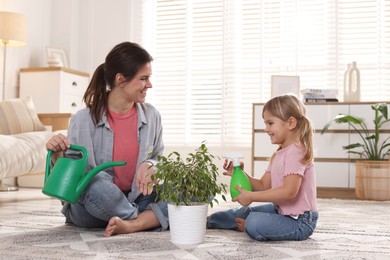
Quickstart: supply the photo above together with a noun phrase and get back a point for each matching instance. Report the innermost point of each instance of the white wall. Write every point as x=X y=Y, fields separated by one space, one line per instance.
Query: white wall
x=102 y=24
x=86 y=30
x=38 y=33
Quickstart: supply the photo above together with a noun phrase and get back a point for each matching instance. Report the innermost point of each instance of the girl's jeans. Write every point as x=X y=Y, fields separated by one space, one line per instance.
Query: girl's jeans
x=264 y=223
x=102 y=199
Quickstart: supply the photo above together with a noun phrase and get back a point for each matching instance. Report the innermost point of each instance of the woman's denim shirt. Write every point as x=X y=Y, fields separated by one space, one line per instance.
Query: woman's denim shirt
x=99 y=139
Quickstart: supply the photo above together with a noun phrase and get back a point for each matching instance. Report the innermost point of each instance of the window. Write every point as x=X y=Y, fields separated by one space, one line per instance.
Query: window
x=213 y=59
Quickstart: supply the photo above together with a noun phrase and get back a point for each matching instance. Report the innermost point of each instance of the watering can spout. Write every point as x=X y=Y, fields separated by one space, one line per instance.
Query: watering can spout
x=68 y=177
x=88 y=176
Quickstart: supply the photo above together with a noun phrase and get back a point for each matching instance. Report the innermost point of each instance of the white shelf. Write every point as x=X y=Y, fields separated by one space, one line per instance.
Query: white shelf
x=334 y=166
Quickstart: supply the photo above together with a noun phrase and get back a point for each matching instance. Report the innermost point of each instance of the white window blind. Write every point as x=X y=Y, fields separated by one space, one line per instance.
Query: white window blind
x=214 y=58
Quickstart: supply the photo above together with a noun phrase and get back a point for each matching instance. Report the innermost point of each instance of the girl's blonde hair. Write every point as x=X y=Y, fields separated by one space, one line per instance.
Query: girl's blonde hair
x=286 y=106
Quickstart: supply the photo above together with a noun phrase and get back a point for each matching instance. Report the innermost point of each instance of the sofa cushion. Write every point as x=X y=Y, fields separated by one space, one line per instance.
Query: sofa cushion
x=23 y=153
x=18 y=115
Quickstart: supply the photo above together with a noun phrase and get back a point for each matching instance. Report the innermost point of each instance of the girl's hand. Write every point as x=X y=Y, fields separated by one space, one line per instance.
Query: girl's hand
x=244 y=197
x=144 y=178
x=228 y=167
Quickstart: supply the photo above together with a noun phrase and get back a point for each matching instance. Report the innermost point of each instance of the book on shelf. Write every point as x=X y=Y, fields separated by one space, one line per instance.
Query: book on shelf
x=319 y=95
x=311 y=100
x=329 y=91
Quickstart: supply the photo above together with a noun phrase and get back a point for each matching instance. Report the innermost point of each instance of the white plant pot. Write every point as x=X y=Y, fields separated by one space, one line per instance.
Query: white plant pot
x=187 y=224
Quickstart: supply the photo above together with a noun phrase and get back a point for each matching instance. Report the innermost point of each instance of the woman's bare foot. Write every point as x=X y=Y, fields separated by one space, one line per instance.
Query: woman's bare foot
x=240 y=224
x=145 y=220
x=117 y=225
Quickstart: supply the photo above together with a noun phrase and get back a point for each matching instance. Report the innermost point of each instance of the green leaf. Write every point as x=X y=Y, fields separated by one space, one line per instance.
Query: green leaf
x=348 y=119
x=352 y=146
x=326 y=127
x=382 y=108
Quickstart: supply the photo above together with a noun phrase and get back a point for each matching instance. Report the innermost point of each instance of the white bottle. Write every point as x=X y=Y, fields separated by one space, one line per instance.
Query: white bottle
x=354 y=83
x=346 y=82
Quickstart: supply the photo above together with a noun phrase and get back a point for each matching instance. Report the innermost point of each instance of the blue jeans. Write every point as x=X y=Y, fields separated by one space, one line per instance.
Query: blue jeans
x=102 y=199
x=264 y=223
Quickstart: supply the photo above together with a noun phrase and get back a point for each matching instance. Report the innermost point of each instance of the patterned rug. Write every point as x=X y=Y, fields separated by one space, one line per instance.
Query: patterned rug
x=345 y=230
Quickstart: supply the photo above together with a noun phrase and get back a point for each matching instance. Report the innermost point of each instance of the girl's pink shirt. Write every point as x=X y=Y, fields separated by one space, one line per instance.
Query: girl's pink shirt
x=126 y=146
x=286 y=162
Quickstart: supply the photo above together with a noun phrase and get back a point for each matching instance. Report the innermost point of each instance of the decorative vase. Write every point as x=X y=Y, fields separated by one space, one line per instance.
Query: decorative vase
x=187 y=224
x=372 y=180
x=352 y=83
x=346 y=82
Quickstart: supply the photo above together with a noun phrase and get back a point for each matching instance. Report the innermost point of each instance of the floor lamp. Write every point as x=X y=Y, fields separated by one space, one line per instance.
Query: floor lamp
x=13 y=32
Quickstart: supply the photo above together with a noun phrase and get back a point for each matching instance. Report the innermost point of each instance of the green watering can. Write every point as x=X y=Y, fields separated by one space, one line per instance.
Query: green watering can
x=68 y=177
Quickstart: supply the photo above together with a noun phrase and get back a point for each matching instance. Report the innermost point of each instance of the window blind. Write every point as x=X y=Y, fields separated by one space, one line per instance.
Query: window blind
x=213 y=59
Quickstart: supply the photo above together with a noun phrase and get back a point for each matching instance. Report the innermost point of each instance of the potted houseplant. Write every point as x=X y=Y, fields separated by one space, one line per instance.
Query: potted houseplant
x=188 y=185
x=373 y=167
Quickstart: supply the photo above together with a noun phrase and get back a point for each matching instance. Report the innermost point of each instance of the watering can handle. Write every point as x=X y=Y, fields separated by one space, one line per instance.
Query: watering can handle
x=79 y=148
x=48 y=162
x=72 y=147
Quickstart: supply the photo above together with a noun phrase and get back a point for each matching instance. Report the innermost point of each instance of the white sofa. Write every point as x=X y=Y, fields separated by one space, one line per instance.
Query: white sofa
x=22 y=141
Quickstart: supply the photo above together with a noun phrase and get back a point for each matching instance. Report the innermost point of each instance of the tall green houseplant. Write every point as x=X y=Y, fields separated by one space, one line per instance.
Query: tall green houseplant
x=370 y=147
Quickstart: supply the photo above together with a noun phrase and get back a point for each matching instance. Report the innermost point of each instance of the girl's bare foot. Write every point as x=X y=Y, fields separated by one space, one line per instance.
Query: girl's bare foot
x=117 y=225
x=240 y=224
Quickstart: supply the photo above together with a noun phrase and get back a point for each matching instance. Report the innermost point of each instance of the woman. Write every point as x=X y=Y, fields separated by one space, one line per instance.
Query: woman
x=117 y=125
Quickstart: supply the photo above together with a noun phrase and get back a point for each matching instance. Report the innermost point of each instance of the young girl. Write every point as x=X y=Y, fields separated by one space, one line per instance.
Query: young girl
x=288 y=182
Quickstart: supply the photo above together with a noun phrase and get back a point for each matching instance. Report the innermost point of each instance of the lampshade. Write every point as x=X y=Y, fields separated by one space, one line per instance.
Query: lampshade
x=13 y=29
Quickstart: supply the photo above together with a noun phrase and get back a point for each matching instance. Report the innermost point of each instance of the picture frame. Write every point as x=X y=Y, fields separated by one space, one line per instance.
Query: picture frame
x=281 y=85
x=57 y=57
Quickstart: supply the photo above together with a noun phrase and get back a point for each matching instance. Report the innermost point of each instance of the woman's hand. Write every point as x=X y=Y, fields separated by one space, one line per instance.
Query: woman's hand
x=58 y=143
x=244 y=197
x=144 y=180
x=228 y=167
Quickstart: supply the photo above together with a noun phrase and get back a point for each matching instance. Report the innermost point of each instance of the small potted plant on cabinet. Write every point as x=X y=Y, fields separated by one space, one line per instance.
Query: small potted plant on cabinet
x=373 y=167
x=189 y=185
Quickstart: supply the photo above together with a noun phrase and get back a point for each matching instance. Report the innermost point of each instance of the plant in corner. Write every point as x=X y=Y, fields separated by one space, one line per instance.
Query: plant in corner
x=188 y=185
x=372 y=169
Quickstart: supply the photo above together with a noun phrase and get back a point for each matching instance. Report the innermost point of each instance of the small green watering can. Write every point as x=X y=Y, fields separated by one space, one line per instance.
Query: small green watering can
x=68 y=177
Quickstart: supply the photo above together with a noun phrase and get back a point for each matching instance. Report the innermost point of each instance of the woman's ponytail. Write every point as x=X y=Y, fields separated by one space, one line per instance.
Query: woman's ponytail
x=96 y=97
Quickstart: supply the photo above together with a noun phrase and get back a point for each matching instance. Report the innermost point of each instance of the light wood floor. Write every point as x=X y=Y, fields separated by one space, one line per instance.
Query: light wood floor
x=25 y=199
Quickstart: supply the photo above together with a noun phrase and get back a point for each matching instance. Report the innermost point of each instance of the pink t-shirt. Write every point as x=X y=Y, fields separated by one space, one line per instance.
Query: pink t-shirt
x=286 y=162
x=126 y=146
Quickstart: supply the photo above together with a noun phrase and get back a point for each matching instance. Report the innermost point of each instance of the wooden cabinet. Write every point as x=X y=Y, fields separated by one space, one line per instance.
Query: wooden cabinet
x=55 y=121
x=335 y=167
x=54 y=89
